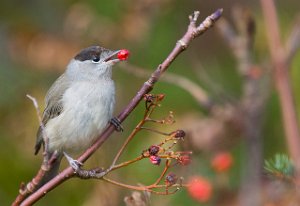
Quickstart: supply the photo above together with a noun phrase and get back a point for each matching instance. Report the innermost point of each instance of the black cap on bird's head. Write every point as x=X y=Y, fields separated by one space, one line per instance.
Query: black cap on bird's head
x=97 y=54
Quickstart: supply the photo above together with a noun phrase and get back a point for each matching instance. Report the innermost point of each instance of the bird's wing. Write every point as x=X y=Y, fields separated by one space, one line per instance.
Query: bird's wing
x=54 y=106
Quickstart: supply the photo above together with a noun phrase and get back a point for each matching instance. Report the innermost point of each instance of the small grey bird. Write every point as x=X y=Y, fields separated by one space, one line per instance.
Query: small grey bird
x=79 y=105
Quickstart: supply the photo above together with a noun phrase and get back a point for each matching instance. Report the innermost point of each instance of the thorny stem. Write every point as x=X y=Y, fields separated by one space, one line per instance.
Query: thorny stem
x=182 y=44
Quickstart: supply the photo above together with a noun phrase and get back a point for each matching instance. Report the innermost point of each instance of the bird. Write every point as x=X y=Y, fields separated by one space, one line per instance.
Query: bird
x=78 y=105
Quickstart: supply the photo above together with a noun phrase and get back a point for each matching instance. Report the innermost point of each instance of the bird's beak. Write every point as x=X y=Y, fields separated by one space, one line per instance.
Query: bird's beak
x=112 y=57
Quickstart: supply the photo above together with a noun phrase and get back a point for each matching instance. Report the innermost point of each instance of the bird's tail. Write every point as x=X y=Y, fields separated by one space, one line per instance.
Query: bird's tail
x=51 y=173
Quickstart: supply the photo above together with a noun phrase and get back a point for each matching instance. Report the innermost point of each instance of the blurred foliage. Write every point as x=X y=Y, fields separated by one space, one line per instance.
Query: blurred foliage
x=38 y=38
x=280 y=167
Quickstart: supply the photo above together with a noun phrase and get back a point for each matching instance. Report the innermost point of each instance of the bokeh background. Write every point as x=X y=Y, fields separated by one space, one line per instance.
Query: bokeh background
x=38 y=38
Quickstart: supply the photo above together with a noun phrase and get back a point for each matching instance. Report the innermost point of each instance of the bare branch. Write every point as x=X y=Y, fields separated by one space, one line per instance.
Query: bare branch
x=198 y=93
x=283 y=83
x=228 y=33
x=293 y=42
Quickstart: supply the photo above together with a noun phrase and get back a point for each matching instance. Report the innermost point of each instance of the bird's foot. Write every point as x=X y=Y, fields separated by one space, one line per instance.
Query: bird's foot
x=117 y=123
x=75 y=164
x=96 y=173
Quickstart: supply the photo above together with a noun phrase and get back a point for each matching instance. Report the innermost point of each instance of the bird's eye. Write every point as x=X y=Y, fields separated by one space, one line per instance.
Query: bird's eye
x=96 y=59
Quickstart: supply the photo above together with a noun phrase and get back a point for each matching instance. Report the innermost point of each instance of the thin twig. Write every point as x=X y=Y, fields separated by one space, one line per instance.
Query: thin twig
x=293 y=41
x=36 y=106
x=163 y=173
x=143 y=188
x=132 y=135
x=155 y=131
x=198 y=93
x=192 y=32
x=123 y=164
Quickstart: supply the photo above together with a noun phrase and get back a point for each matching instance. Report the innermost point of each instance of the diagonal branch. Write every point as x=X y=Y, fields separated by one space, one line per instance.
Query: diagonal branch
x=193 y=31
x=293 y=42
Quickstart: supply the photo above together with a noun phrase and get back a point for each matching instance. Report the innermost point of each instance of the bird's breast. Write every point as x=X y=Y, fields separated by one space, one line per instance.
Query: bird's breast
x=87 y=108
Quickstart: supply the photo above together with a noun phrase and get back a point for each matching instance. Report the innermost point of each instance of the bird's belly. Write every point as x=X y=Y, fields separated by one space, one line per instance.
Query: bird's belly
x=87 y=110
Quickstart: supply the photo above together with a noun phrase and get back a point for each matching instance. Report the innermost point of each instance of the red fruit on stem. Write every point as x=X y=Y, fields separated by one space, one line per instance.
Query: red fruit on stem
x=155 y=160
x=123 y=54
x=222 y=162
x=200 y=189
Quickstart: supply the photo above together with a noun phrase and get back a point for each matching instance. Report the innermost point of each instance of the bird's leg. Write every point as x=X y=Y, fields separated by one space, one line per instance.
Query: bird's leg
x=84 y=174
x=116 y=122
x=76 y=165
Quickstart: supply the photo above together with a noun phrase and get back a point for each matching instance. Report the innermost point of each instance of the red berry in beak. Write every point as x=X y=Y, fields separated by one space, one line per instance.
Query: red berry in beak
x=123 y=54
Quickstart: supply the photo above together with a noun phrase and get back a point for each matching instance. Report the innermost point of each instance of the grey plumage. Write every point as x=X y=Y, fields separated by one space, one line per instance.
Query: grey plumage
x=54 y=106
x=79 y=105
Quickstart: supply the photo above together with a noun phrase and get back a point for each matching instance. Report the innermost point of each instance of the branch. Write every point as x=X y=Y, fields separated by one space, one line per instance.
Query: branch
x=252 y=102
x=147 y=114
x=293 y=42
x=282 y=80
x=193 y=31
x=240 y=42
x=198 y=93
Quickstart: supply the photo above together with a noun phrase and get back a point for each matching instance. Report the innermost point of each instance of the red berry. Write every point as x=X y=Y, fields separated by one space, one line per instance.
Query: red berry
x=222 y=162
x=123 y=54
x=155 y=160
x=200 y=189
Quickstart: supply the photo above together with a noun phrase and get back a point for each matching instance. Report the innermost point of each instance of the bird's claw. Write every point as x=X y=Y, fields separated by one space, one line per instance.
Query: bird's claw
x=75 y=164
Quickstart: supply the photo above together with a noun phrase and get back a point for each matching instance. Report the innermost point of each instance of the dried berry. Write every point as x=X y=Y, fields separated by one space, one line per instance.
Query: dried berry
x=123 y=54
x=155 y=160
x=180 y=134
x=160 y=97
x=149 y=97
x=184 y=160
x=171 y=179
x=153 y=150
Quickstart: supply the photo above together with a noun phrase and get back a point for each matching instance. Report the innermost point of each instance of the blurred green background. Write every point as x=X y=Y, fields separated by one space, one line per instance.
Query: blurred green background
x=38 y=38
